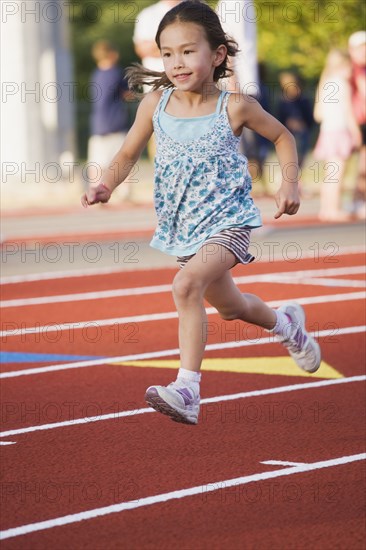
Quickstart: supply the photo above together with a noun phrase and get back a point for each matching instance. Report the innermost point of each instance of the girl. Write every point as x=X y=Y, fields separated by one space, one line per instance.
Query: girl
x=205 y=212
x=339 y=132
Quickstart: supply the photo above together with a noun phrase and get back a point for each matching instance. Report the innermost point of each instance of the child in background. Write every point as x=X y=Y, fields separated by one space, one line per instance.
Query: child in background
x=295 y=112
x=202 y=194
x=339 y=133
x=109 y=116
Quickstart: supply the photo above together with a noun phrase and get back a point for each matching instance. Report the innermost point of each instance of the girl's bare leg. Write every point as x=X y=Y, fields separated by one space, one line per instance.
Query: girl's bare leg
x=231 y=304
x=207 y=275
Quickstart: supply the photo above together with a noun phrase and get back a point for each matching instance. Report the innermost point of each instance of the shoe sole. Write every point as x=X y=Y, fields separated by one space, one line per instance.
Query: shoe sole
x=154 y=400
x=315 y=343
x=301 y=315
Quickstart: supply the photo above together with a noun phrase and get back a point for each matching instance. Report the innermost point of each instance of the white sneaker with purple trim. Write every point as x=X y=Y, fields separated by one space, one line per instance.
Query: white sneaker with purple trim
x=301 y=346
x=178 y=401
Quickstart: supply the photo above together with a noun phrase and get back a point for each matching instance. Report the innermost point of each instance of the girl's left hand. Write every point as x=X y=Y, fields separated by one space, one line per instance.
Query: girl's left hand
x=287 y=200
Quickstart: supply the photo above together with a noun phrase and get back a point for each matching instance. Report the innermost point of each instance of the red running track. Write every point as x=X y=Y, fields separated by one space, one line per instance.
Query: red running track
x=73 y=455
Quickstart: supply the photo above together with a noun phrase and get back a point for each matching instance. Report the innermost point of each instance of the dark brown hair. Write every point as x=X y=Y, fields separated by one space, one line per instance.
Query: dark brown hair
x=188 y=11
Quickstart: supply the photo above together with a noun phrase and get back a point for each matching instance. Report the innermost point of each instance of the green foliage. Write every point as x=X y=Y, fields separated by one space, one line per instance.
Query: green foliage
x=291 y=33
x=294 y=34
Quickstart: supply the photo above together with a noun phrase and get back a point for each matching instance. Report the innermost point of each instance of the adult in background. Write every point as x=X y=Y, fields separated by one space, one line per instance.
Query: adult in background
x=357 y=51
x=146 y=27
x=238 y=19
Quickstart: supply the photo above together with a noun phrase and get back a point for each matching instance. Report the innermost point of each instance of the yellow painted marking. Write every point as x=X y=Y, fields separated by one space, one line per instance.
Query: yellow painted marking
x=283 y=366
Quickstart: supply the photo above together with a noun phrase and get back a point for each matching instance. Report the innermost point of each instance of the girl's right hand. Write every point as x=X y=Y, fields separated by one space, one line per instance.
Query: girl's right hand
x=101 y=193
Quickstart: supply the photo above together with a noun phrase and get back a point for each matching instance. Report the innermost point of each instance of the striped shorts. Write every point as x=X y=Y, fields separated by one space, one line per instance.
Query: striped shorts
x=234 y=239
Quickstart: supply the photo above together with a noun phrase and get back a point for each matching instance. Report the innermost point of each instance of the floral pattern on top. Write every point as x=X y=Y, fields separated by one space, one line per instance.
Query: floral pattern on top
x=201 y=187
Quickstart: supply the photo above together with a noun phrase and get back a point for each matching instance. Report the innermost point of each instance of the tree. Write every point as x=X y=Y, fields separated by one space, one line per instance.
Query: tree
x=300 y=34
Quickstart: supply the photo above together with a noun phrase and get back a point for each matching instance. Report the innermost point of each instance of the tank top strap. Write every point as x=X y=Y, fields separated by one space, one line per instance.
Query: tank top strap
x=165 y=98
x=221 y=102
x=225 y=99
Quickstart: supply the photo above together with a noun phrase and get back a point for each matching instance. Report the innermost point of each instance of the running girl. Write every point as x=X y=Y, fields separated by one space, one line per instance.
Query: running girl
x=202 y=194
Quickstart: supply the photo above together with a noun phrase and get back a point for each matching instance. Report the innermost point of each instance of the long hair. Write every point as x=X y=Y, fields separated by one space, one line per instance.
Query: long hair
x=188 y=11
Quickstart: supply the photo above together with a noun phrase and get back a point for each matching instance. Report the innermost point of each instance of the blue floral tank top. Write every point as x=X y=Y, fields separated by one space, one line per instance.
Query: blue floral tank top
x=201 y=187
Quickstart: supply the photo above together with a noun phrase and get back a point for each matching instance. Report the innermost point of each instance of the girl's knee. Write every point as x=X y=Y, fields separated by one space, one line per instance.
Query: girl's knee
x=237 y=310
x=186 y=285
x=229 y=315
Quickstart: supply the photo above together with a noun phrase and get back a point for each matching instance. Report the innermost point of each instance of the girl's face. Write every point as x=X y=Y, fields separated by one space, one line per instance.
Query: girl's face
x=189 y=62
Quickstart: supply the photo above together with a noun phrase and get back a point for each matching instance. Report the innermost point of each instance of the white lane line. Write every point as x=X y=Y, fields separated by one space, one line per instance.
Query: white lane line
x=324 y=281
x=7 y=442
x=279 y=277
x=80 y=325
x=171 y=352
x=179 y=494
x=102 y=294
x=80 y=421
x=77 y=273
x=207 y=400
x=51 y=275
x=283 y=463
x=16 y=329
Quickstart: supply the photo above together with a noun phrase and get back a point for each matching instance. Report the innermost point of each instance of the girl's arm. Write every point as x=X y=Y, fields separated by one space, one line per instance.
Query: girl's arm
x=122 y=164
x=246 y=111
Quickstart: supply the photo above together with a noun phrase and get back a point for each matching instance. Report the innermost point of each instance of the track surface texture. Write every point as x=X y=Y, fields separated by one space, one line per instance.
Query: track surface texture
x=276 y=460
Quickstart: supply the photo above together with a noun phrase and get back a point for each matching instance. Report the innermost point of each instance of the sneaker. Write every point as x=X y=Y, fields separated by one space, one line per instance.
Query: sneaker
x=178 y=401
x=301 y=346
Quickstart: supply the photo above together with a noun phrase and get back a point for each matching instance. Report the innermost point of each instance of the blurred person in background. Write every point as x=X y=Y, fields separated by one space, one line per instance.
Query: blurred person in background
x=109 y=115
x=357 y=51
x=262 y=145
x=146 y=27
x=339 y=133
x=238 y=19
x=295 y=112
